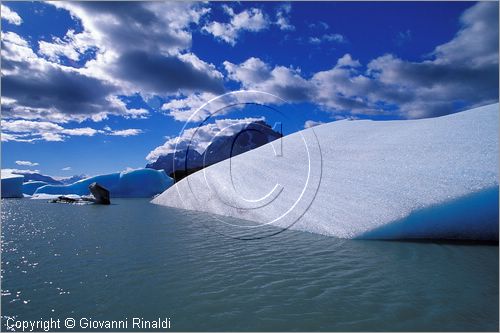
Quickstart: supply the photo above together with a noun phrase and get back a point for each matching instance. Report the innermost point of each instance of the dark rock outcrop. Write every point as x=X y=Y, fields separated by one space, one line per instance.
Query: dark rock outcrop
x=101 y=195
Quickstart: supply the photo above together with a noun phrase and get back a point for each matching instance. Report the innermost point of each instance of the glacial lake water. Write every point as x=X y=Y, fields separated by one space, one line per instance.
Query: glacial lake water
x=135 y=259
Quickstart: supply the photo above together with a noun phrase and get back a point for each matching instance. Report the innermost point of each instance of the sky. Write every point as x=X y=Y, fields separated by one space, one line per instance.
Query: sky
x=99 y=87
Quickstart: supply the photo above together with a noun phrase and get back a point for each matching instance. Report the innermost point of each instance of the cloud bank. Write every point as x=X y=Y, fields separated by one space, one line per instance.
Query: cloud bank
x=145 y=49
x=135 y=47
x=463 y=71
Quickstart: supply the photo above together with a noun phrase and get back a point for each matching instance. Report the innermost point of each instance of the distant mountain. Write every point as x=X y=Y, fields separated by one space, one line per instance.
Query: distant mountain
x=250 y=137
x=166 y=162
x=72 y=179
x=32 y=176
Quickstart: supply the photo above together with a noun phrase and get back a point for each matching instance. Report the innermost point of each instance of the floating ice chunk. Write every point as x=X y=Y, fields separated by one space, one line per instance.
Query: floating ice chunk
x=30 y=187
x=141 y=183
x=12 y=185
x=43 y=196
x=363 y=179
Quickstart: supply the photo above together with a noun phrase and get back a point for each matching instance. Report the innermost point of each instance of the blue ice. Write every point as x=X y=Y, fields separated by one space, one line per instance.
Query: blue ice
x=141 y=183
x=30 y=187
x=12 y=185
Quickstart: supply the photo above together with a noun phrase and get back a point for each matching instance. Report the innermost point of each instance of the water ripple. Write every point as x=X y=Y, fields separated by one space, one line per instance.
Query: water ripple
x=137 y=259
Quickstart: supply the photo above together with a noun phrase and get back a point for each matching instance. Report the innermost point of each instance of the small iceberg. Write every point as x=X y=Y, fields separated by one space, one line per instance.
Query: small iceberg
x=141 y=183
x=433 y=178
x=99 y=196
x=43 y=196
x=12 y=185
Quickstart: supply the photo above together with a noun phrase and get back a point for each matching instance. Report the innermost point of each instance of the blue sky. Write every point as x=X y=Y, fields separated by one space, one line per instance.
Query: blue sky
x=100 y=87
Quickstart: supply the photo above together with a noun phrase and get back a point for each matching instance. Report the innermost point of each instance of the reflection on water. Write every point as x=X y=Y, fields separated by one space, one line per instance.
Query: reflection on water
x=134 y=259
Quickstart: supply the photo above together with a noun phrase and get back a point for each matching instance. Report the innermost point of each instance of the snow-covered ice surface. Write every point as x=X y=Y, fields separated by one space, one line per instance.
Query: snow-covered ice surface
x=427 y=178
x=30 y=187
x=141 y=183
x=12 y=185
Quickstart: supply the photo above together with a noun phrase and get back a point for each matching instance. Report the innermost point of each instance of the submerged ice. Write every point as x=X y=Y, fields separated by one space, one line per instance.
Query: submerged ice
x=141 y=183
x=427 y=178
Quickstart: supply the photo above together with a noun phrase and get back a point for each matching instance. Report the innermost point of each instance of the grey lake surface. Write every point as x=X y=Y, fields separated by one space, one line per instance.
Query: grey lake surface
x=135 y=259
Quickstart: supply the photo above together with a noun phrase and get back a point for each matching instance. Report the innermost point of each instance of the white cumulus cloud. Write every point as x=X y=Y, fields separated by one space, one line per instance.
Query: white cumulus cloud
x=126 y=132
x=338 y=38
x=463 y=70
x=26 y=163
x=154 y=58
x=252 y=19
x=30 y=131
x=312 y=123
x=282 y=17
x=10 y=15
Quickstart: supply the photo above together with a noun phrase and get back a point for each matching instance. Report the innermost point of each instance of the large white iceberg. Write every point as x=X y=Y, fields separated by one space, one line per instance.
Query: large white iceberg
x=12 y=185
x=427 y=178
x=140 y=183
